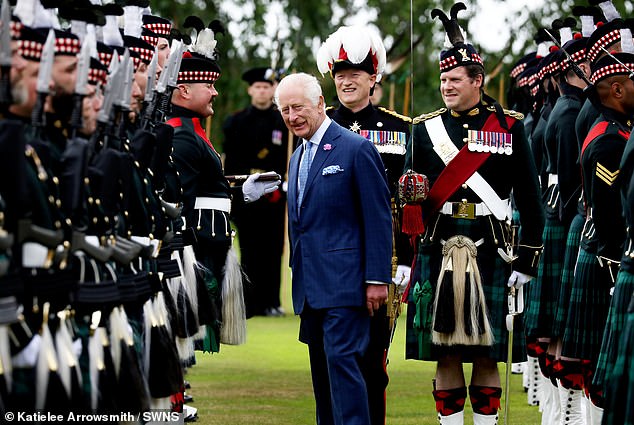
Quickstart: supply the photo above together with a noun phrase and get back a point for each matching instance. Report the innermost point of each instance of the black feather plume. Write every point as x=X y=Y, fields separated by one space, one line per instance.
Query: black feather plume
x=217 y=27
x=452 y=28
x=194 y=22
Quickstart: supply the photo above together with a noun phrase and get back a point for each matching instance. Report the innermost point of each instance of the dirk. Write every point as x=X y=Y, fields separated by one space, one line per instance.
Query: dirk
x=44 y=79
x=5 y=56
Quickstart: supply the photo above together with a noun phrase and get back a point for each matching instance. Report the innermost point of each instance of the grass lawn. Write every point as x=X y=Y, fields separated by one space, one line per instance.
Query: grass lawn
x=267 y=381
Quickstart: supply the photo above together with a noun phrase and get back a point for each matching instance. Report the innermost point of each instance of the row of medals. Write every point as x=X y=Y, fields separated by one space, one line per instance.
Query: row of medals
x=490 y=142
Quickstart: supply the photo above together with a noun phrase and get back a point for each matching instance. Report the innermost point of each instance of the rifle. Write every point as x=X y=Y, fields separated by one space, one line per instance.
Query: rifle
x=5 y=57
x=43 y=80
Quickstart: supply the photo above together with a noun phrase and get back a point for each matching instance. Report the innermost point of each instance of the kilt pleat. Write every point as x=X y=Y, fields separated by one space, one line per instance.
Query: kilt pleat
x=494 y=273
x=617 y=315
x=567 y=274
x=619 y=395
x=541 y=301
x=587 y=311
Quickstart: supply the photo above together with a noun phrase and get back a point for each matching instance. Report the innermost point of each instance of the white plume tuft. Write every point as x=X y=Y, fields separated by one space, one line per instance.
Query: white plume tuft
x=205 y=44
x=587 y=25
x=542 y=50
x=33 y=14
x=133 y=21
x=627 y=44
x=565 y=34
x=609 y=11
x=111 y=34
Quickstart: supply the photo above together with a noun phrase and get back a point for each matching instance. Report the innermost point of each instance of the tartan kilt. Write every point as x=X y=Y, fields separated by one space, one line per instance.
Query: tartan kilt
x=567 y=274
x=587 y=311
x=617 y=315
x=494 y=272
x=619 y=395
x=543 y=291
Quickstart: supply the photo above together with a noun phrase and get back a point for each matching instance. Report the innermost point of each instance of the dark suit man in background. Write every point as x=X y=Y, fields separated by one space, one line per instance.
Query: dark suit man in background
x=341 y=246
x=256 y=140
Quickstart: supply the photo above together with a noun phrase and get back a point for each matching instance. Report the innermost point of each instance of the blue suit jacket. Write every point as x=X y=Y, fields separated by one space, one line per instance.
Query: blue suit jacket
x=343 y=235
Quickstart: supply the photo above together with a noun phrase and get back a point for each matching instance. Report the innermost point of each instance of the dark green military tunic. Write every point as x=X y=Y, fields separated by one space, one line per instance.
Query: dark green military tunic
x=602 y=237
x=504 y=172
x=561 y=151
x=208 y=230
x=257 y=141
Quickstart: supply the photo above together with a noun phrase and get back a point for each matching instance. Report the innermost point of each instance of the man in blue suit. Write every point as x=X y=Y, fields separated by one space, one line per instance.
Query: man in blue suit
x=341 y=247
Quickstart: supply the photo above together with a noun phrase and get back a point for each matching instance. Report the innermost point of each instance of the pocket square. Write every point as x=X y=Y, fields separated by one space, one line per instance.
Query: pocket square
x=331 y=169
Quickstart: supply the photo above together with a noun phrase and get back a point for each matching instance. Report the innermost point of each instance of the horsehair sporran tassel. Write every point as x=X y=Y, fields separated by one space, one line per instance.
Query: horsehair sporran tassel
x=189 y=276
x=234 y=320
x=460 y=280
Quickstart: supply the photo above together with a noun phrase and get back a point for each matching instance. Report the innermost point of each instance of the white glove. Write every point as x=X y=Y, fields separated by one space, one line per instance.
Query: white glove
x=518 y=279
x=402 y=277
x=254 y=190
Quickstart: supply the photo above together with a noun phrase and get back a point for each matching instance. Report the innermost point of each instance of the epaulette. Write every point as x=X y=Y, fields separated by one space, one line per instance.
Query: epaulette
x=511 y=113
x=428 y=116
x=395 y=114
x=329 y=108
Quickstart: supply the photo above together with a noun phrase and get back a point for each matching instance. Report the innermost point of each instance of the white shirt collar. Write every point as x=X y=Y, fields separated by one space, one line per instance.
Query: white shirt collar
x=319 y=134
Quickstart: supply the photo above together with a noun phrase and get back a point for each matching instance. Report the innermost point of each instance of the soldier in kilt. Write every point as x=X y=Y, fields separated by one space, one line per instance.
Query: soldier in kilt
x=619 y=409
x=540 y=299
x=624 y=285
x=603 y=233
x=464 y=253
x=560 y=206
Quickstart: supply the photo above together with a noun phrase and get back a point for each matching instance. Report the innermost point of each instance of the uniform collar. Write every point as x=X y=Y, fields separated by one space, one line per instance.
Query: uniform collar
x=179 y=111
x=363 y=113
x=472 y=112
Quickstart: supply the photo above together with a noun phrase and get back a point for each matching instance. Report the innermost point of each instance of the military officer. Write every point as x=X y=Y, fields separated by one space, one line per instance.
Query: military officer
x=467 y=241
x=388 y=131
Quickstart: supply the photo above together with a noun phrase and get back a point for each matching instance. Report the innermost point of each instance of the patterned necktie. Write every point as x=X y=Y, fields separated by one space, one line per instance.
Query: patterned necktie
x=304 y=168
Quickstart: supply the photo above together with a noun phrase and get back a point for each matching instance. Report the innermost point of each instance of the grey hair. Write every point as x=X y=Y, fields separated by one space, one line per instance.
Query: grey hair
x=312 y=88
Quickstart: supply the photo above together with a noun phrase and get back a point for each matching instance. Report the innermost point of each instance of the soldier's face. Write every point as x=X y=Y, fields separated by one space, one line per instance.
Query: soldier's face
x=90 y=108
x=163 y=51
x=140 y=77
x=459 y=91
x=261 y=94
x=64 y=74
x=18 y=63
x=201 y=98
x=300 y=115
x=353 y=88
x=24 y=91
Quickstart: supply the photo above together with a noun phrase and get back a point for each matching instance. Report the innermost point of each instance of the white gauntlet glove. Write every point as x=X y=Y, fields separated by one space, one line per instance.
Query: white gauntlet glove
x=254 y=190
x=518 y=279
x=401 y=280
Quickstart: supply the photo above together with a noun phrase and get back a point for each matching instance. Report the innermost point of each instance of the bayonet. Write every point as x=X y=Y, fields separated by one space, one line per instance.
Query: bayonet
x=151 y=79
x=44 y=79
x=110 y=90
x=5 y=55
x=125 y=85
x=83 y=68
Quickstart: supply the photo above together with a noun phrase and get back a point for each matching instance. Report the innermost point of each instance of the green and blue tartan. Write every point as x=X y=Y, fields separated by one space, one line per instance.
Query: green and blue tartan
x=494 y=273
x=617 y=315
x=541 y=301
x=619 y=394
x=567 y=274
x=588 y=310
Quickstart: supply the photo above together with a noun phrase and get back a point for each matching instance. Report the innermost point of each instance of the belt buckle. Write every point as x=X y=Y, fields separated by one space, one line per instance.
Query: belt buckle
x=463 y=209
